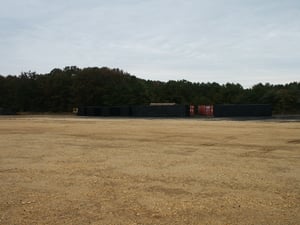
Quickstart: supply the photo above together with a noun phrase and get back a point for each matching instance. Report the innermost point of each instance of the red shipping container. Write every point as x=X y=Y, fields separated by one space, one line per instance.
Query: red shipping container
x=192 y=110
x=205 y=110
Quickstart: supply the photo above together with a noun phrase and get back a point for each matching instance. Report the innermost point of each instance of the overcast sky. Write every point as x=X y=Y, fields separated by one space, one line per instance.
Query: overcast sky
x=241 y=41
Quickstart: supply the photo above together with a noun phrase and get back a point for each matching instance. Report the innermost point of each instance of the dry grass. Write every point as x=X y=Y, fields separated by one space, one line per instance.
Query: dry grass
x=67 y=170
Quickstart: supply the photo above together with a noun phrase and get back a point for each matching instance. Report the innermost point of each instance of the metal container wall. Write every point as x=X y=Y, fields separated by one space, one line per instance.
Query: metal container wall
x=91 y=111
x=205 y=110
x=192 y=110
x=125 y=111
x=219 y=110
x=6 y=111
x=161 y=111
x=242 y=110
x=81 y=111
x=137 y=111
x=120 y=111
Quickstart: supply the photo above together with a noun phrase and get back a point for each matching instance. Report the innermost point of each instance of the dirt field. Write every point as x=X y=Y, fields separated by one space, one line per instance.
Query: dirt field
x=69 y=170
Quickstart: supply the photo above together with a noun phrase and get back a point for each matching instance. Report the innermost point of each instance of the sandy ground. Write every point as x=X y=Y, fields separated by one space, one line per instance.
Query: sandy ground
x=69 y=170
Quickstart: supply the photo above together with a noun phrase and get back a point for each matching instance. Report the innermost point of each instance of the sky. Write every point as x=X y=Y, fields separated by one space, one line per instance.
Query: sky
x=239 y=41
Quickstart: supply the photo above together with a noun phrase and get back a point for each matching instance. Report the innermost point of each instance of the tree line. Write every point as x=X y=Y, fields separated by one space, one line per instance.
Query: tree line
x=63 y=89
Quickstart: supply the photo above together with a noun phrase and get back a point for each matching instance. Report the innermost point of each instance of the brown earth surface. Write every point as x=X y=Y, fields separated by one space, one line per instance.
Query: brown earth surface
x=70 y=170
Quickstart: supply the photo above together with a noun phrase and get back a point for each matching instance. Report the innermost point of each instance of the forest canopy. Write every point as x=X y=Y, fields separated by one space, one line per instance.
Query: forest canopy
x=63 y=89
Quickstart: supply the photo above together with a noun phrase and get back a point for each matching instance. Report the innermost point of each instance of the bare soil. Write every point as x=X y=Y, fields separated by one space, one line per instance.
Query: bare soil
x=70 y=170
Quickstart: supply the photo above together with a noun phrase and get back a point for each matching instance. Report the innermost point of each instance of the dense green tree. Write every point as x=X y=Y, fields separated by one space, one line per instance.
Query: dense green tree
x=62 y=89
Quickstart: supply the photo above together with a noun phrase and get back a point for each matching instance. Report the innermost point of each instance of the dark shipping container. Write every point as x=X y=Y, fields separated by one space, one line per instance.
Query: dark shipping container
x=242 y=110
x=161 y=111
x=6 y=111
x=136 y=111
